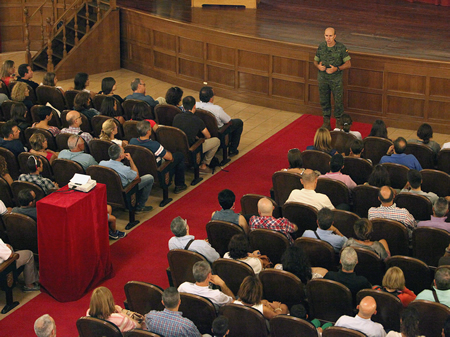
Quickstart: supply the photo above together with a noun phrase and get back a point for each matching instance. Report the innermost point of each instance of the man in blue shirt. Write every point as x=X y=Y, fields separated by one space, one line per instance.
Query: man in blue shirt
x=395 y=155
x=138 y=87
x=176 y=167
x=129 y=173
x=10 y=141
x=76 y=152
x=326 y=231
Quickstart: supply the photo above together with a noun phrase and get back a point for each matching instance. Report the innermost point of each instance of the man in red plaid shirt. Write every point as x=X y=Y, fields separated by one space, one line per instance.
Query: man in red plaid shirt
x=265 y=220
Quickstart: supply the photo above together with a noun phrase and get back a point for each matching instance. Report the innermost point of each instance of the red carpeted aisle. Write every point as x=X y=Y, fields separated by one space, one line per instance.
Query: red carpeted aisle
x=143 y=254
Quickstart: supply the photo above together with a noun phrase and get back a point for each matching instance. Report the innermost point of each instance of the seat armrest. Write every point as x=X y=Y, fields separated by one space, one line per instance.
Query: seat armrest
x=225 y=127
x=197 y=144
x=164 y=165
x=131 y=185
x=8 y=262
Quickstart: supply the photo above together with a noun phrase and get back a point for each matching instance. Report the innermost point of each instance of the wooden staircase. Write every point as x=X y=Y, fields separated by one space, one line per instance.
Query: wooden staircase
x=73 y=39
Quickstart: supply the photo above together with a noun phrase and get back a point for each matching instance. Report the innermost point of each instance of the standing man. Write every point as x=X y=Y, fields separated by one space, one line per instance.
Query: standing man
x=331 y=58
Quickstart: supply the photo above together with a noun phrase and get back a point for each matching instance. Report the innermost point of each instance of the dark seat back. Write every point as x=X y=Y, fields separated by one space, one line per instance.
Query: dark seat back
x=139 y=333
x=359 y=169
x=11 y=162
x=181 y=262
x=99 y=149
x=375 y=148
x=220 y=233
x=419 y=206
x=336 y=331
x=165 y=113
x=70 y=97
x=283 y=184
x=21 y=231
x=18 y=186
x=303 y=215
x=369 y=265
x=51 y=141
x=432 y=317
x=270 y=243
x=341 y=141
x=290 y=326
x=429 y=244
x=336 y=190
x=94 y=327
x=199 y=310
x=395 y=234
x=6 y=193
x=64 y=170
x=398 y=174
x=249 y=204
x=320 y=253
x=233 y=272
x=424 y=154
x=129 y=130
x=344 y=221
x=365 y=197
x=97 y=123
x=48 y=94
x=436 y=181
x=244 y=321
x=129 y=104
x=443 y=161
x=143 y=297
x=316 y=160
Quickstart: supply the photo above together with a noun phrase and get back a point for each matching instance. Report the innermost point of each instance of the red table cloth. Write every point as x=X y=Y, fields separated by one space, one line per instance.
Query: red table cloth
x=73 y=242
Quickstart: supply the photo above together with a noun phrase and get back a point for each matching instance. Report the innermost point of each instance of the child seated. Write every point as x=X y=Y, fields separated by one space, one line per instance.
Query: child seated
x=227 y=201
x=346 y=122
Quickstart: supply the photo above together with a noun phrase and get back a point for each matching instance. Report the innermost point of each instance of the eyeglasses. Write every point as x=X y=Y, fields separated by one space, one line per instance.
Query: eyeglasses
x=78 y=138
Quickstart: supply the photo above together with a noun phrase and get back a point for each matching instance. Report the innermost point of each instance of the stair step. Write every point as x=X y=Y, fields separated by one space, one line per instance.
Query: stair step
x=85 y=17
x=40 y=64
x=68 y=44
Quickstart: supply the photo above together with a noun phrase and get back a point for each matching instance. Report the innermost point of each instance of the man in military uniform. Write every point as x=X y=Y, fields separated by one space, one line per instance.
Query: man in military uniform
x=331 y=58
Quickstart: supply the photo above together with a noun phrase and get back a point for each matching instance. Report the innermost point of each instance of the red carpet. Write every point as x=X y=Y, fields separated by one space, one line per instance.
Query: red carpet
x=142 y=255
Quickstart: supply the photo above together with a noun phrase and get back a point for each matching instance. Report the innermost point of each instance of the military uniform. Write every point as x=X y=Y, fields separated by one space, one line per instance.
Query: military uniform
x=331 y=83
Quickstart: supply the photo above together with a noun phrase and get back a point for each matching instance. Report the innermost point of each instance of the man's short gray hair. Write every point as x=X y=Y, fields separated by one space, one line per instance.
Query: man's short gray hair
x=349 y=259
x=201 y=269
x=440 y=207
x=44 y=325
x=72 y=142
x=171 y=298
x=114 y=151
x=135 y=83
x=178 y=226
x=142 y=128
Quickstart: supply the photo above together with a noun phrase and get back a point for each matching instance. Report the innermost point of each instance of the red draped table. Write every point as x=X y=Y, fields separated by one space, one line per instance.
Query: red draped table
x=73 y=242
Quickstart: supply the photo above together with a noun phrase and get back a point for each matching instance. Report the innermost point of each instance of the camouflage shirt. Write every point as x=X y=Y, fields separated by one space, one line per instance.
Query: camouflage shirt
x=336 y=55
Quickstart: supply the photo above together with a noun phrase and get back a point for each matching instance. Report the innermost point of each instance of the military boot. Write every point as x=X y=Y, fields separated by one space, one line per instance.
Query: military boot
x=326 y=123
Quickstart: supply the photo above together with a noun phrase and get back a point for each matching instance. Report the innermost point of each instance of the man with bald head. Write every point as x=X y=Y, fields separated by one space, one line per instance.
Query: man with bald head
x=73 y=118
x=76 y=152
x=45 y=326
x=362 y=321
x=265 y=220
x=307 y=195
x=388 y=210
x=331 y=59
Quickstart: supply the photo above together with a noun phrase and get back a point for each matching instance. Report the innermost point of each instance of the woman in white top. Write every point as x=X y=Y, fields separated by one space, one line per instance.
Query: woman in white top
x=409 y=324
x=109 y=130
x=346 y=122
x=250 y=294
x=239 y=250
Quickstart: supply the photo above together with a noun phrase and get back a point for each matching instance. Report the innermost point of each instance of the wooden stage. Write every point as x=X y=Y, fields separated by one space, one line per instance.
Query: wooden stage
x=400 y=53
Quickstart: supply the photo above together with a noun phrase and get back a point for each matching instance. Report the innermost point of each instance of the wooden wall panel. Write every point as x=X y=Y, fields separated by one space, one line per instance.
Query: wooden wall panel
x=256 y=83
x=165 y=41
x=405 y=106
x=365 y=78
x=165 y=62
x=313 y=96
x=221 y=76
x=290 y=67
x=190 y=47
x=406 y=83
x=288 y=89
x=365 y=101
x=220 y=54
x=191 y=69
x=253 y=60
x=438 y=111
x=439 y=87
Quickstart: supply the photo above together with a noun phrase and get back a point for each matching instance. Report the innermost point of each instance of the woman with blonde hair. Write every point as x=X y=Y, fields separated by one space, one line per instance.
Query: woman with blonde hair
x=394 y=283
x=250 y=294
x=7 y=72
x=20 y=93
x=322 y=142
x=39 y=146
x=109 y=130
x=102 y=306
x=51 y=80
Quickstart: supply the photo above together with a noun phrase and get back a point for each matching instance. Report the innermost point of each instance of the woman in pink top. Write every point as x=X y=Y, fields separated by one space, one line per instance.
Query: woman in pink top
x=102 y=306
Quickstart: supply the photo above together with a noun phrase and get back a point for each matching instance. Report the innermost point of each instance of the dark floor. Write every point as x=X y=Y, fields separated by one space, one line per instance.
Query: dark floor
x=386 y=27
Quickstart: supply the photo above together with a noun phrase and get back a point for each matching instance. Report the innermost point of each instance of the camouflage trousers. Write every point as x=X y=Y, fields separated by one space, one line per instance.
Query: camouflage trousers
x=327 y=85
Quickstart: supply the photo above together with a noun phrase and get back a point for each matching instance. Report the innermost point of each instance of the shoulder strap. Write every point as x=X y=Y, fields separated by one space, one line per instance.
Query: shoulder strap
x=188 y=244
x=317 y=235
x=436 y=299
x=79 y=133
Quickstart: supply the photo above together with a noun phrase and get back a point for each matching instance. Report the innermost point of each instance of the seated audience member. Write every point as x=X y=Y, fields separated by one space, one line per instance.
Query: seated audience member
x=295 y=261
x=109 y=131
x=4 y=171
x=336 y=165
x=182 y=240
x=394 y=283
x=202 y=275
x=346 y=275
x=109 y=108
x=322 y=142
x=174 y=96
x=206 y=97
x=26 y=258
x=20 y=94
x=4 y=209
x=39 y=146
x=74 y=120
x=295 y=161
x=102 y=306
x=389 y=210
x=326 y=231
x=25 y=75
x=7 y=71
x=108 y=88
x=170 y=322
x=299 y=311
x=51 y=80
x=27 y=202
x=409 y=324
x=34 y=165
x=138 y=88
x=128 y=174
x=227 y=201
x=45 y=115
x=3 y=98
x=362 y=321
x=363 y=230
x=346 y=121
x=396 y=155
x=414 y=186
x=425 y=133
x=440 y=211
x=378 y=129
x=83 y=104
x=440 y=291
x=161 y=154
x=19 y=116
x=445 y=259
x=76 y=152
x=141 y=112
x=265 y=220
x=81 y=82
x=379 y=177
x=239 y=249
x=114 y=233
x=45 y=326
x=192 y=125
x=308 y=195
x=250 y=294
x=11 y=141
x=356 y=148
x=219 y=327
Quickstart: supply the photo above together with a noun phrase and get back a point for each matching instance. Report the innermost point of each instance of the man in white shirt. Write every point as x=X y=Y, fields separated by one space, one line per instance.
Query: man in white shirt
x=203 y=276
x=362 y=322
x=307 y=195
x=235 y=129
